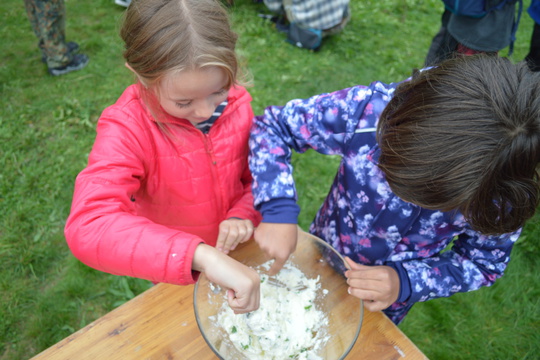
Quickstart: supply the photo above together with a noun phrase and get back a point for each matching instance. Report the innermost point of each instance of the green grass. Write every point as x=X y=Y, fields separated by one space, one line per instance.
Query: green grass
x=47 y=127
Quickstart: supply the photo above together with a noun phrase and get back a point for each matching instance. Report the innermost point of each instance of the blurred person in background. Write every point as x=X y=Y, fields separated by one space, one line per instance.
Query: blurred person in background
x=307 y=22
x=47 y=18
x=468 y=35
x=533 y=57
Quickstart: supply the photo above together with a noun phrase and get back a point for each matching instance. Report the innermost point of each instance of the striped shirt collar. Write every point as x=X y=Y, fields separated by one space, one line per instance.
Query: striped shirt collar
x=207 y=124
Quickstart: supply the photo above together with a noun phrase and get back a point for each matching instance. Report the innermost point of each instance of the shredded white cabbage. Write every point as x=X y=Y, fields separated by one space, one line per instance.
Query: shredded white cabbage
x=288 y=324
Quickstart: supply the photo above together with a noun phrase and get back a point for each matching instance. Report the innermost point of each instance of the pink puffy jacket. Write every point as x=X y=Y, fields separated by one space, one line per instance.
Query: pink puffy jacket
x=146 y=199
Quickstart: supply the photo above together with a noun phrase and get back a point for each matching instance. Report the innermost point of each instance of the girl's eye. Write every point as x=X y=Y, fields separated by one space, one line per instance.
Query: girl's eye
x=183 y=105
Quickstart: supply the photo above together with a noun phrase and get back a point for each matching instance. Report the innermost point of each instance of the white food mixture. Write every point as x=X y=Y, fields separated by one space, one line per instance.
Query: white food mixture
x=288 y=324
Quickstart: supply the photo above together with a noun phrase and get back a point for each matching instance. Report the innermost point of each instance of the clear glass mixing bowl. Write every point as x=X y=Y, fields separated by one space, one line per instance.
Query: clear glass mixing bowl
x=313 y=257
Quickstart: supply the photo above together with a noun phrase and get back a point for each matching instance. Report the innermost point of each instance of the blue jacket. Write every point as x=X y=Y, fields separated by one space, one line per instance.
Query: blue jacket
x=361 y=217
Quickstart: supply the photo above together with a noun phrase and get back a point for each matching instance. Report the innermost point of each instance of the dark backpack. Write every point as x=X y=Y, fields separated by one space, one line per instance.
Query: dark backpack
x=480 y=8
x=476 y=8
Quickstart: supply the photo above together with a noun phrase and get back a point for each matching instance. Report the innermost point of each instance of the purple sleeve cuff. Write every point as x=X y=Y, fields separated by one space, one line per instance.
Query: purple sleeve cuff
x=404 y=283
x=280 y=211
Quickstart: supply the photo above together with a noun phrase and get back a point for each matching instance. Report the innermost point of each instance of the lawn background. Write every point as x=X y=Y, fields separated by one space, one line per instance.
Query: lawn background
x=47 y=127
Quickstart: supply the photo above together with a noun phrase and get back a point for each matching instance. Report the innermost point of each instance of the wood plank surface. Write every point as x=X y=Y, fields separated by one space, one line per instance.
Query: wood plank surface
x=160 y=324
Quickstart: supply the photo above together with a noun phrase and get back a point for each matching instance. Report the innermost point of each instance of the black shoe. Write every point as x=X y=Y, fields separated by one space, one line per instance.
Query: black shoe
x=72 y=46
x=78 y=62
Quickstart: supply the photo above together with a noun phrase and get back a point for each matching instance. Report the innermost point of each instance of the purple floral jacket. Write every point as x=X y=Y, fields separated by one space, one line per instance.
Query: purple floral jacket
x=361 y=217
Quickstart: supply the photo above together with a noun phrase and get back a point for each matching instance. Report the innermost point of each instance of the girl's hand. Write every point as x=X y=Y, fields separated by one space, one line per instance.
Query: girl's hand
x=278 y=241
x=378 y=286
x=242 y=282
x=233 y=232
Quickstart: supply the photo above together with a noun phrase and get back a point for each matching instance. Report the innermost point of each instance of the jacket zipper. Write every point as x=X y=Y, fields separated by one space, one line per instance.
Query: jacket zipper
x=215 y=175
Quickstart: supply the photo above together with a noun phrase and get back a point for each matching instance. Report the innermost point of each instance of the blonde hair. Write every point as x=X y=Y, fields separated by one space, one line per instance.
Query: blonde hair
x=164 y=36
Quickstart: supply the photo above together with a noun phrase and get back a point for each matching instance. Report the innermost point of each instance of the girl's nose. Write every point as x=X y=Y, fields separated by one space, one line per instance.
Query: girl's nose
x=205 y=109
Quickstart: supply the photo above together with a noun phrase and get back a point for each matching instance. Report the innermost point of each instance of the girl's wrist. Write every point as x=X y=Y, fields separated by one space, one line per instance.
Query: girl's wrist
x=204 y=254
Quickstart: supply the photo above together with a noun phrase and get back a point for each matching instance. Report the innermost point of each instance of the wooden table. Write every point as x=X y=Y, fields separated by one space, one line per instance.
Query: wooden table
x=160 y=324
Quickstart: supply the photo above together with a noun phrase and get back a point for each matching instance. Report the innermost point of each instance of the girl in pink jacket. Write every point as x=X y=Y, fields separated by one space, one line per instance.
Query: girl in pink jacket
x=167 y=190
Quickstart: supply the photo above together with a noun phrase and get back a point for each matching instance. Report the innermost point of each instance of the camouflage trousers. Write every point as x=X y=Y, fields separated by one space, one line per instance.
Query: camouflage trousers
x=47 y=20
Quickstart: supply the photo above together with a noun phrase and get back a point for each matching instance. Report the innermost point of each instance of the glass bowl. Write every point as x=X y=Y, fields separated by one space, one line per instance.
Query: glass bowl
x=315 y=258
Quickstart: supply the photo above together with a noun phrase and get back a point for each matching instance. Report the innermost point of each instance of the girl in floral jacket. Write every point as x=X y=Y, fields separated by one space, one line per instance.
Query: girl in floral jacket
x=445 y=158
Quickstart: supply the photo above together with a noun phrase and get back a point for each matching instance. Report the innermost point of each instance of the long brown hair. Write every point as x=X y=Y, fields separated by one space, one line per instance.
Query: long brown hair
x=465 y=135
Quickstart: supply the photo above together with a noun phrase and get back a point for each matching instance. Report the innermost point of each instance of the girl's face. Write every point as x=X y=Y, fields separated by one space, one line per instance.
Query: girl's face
x=193 y=95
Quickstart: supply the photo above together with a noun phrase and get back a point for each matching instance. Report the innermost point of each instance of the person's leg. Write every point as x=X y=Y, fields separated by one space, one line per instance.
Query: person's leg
x=72 y=46
x=533 y=57
x=30 y=5
x=31 y=13
x=443 y=44
x=47 y=19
